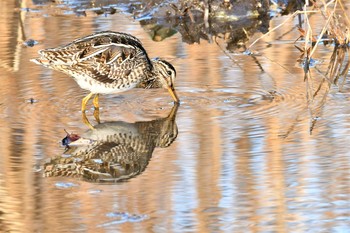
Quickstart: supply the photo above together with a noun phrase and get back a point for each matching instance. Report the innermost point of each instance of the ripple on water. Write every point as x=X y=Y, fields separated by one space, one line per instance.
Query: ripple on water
x=122 y=217
x=258 y=102
x=65 y=185
x=254 y=110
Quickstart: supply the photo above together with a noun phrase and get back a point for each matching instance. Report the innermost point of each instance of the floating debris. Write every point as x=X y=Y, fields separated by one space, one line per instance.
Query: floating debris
x=30 y=43
x=31 y=100
x=71 y=137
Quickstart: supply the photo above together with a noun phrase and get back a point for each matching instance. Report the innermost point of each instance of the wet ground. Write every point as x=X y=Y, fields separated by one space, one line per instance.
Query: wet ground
x=236 y=156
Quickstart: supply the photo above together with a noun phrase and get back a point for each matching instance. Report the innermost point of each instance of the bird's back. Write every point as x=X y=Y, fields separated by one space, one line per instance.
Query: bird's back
x=106 y=58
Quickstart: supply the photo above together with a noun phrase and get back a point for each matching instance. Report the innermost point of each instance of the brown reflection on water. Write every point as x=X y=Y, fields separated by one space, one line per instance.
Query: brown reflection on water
x=243 y=161
x=113 y=151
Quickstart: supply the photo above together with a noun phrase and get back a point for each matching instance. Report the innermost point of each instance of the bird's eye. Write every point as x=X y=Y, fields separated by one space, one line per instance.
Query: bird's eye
x=169 y=72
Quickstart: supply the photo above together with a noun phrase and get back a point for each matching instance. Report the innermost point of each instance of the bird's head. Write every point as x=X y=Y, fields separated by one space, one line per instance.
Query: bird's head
x=166 y=74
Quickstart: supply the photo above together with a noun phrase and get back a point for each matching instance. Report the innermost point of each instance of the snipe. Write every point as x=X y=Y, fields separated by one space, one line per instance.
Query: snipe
x=114 y=151
x=109 y=62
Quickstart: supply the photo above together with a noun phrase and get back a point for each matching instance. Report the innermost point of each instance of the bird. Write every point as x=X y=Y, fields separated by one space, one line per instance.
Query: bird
x=109 y=62
x=113 y=151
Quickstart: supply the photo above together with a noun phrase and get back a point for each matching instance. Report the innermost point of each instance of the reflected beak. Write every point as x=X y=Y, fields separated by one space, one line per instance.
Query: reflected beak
x=173 y=94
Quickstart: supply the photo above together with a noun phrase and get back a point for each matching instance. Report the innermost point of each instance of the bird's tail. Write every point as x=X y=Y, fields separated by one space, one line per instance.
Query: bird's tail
x=51 y=58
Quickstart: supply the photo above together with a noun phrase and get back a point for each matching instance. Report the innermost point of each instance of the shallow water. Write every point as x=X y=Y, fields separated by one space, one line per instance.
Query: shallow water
x=236 y=156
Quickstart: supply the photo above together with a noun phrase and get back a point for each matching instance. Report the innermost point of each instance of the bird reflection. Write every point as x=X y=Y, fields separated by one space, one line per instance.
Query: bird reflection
x=114 y=151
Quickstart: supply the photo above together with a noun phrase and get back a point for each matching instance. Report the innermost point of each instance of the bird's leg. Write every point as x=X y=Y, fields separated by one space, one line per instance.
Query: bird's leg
x=95 y=101
x=97 y=115
x=97 y=108
x=84 y=102
x=86 y=121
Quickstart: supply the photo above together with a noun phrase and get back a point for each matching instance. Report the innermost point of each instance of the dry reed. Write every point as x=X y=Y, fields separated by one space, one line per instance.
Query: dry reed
x=335 y=31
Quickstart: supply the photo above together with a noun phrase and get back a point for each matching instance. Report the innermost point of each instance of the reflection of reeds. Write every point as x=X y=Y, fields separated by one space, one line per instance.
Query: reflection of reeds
x=335 y=30
x=338 y=68
x=339 y=65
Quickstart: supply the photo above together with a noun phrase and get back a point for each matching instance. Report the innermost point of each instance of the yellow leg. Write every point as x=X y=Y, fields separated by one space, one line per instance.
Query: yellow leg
x=86 y=121
x=95 y=101
x=97 y=115
x=84 y=102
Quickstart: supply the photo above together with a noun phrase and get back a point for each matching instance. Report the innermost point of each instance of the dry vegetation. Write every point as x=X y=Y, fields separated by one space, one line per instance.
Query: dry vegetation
x=335 y=32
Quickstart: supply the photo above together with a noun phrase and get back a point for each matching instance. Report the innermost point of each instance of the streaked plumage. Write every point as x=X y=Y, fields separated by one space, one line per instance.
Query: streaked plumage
x=116 y=151
x=109 y=62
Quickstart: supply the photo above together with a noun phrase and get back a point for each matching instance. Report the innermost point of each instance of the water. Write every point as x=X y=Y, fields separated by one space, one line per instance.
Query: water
x=236 y=156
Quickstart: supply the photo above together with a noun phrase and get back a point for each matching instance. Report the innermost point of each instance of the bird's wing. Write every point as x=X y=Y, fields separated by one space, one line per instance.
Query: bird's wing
x=105 y=56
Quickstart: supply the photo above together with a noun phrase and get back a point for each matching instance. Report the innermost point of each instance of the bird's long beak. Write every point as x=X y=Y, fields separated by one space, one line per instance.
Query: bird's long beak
x=173 y=94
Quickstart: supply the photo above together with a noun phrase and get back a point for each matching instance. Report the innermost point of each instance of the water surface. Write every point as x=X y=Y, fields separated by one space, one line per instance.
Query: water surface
x=240 y=157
